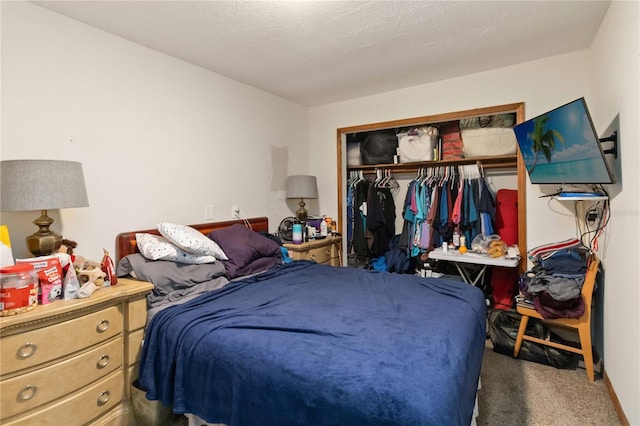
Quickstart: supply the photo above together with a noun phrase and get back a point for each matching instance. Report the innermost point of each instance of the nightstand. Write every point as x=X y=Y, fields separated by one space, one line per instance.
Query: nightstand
x=73 y=361
x=326 y=251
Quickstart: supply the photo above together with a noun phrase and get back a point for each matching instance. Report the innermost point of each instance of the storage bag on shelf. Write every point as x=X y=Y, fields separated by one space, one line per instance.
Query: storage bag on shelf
x=488 y=141
x=353 y=154
x=451 y=141
x=417 y=144
x=379 y=147
x=497 y=120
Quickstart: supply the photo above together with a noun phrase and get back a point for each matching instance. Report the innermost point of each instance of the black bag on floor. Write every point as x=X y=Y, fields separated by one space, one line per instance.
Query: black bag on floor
x=503 y=329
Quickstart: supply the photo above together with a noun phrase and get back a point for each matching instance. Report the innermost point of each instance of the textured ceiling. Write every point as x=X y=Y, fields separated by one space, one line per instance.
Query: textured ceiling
x=318 y=52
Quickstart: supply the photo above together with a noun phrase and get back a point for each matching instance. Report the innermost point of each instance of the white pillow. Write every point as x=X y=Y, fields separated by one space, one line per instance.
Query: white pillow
x=190 y=240
x=154 y=247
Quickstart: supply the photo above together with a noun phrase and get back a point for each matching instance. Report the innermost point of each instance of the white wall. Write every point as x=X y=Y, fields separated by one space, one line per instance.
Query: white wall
x=607 y=76
x=615 y=69
x=158 y=138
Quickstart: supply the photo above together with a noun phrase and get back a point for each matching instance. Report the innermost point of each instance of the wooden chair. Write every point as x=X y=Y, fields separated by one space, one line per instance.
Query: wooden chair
x=582 y=324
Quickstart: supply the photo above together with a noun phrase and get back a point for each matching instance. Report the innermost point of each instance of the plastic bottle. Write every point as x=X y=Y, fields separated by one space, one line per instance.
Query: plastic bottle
x=456 y=239
x=297 y=233
x=323 y=228
x=329 y=221
x=463 y=245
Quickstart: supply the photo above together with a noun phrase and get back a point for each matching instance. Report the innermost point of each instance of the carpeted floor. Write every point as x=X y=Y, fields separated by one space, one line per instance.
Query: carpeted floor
x=516 y=392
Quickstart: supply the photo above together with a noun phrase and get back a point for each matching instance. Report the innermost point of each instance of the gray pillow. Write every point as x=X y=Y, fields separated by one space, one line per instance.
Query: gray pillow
x=172 y=280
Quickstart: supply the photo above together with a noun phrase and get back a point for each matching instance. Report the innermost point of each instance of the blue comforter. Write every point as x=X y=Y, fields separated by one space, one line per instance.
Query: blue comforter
x=309 y=344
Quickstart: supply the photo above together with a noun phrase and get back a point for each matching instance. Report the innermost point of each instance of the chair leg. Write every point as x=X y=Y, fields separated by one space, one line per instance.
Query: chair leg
x=521 y=330
x=584 y=331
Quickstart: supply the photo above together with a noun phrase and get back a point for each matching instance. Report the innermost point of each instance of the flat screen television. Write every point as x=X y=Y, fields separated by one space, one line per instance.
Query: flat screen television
x=562 y=147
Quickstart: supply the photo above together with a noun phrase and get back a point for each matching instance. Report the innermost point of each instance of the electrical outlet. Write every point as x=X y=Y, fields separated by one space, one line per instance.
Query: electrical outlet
x=208 y=212
x=594 y=215
x=235 y=211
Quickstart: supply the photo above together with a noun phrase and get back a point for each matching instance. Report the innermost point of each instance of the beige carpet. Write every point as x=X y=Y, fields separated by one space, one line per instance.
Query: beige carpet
x=516 y=392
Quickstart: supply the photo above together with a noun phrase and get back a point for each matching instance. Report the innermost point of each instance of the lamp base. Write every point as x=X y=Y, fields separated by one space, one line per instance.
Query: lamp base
x=43 y=242
x=301 y=213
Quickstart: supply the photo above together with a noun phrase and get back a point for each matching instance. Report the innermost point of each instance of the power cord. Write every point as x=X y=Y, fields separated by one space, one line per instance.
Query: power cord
x=596 y=219
x=237 y=215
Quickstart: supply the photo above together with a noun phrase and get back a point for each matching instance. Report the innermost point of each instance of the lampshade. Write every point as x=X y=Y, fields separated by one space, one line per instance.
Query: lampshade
x=42 y=185
x=302 y=186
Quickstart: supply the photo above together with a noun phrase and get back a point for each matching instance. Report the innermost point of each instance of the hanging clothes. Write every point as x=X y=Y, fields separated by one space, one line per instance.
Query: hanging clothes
x=445 y=200
x=381 y=215
x=349 y=227
x=372 y=215
x=409 y=212
x=358 y=244
x=487 y=208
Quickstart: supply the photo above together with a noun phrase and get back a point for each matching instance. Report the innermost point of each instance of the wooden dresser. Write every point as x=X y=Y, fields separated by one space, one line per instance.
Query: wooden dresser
x=72 y=362
x=325 y=251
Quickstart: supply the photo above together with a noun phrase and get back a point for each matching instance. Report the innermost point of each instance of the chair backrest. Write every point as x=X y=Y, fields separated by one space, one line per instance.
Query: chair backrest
x=589 y=282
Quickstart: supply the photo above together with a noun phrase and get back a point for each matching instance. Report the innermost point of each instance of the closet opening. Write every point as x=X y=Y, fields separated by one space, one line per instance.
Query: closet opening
x=436 y=157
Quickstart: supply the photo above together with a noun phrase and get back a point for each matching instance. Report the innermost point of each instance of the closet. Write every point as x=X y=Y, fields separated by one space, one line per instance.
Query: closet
x=391 y=179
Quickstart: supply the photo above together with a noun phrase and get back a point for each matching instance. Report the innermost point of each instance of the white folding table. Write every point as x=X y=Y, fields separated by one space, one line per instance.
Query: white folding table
x=463 y=260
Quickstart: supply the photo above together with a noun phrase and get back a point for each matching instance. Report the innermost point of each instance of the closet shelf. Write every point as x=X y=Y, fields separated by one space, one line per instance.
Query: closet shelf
x=489 y=162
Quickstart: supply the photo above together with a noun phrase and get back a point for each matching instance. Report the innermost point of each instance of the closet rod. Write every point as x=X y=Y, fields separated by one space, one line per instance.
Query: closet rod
x=413 y=167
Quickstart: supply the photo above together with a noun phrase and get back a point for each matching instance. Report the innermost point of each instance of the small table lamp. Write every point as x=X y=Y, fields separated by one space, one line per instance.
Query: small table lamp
x=42 y=185
x=301 y=186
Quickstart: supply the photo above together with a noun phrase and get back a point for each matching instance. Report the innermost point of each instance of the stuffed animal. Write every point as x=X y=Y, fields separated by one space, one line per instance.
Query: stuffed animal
x=67 y=247
x=91 y=273
x=86 y=270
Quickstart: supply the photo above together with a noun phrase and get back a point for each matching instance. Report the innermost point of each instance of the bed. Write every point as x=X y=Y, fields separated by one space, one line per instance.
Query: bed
x=300 y=343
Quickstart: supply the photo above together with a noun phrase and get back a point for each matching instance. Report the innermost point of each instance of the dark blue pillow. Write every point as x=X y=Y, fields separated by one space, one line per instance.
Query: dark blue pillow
x=248 y=251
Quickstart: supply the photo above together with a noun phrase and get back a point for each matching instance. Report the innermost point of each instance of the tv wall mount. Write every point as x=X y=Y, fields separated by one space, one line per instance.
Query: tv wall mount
x=614 y=149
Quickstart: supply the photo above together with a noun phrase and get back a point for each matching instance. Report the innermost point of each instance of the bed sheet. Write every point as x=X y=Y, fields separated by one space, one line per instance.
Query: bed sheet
x=311 y=344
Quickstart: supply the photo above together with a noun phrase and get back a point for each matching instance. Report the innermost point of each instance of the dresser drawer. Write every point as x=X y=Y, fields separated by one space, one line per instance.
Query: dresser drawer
x=134 y=346
x=320 y=254
x=48 y=343
x=79 y=408
x=39 y=387
x=137 y=314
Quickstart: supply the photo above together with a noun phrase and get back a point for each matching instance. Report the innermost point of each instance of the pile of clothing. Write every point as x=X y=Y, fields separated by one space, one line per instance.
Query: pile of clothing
x=554 y=283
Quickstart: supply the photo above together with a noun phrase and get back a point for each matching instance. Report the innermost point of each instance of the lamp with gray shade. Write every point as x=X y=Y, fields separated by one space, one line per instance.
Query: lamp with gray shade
x=42 y=185
x=302 y=186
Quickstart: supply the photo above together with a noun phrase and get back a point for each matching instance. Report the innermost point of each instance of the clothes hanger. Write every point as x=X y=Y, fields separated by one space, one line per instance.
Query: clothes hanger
x=376 y=182
x=385 y=178
x=391 y=180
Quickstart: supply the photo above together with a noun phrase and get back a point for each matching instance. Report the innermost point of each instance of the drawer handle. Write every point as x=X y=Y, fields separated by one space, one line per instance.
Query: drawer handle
x=26 y=350
x=103 y=398
x=103 y=361
x=313 y=257
x=27 y=393
x=102 y=326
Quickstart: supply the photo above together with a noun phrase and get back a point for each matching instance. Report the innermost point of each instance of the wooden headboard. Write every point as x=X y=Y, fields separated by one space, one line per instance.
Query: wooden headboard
x=126 y=241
